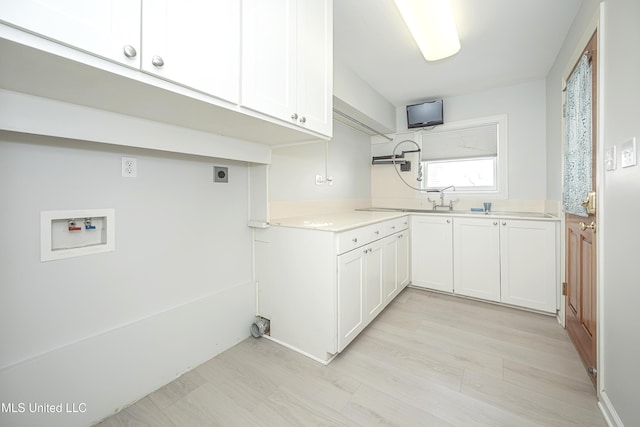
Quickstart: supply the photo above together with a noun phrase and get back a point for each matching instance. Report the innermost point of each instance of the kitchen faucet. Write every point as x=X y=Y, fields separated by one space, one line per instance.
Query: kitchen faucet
x=442 y=205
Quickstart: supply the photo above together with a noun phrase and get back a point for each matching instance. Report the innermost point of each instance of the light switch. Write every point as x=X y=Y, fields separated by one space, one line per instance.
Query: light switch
x=628 y=153
x=610 y=158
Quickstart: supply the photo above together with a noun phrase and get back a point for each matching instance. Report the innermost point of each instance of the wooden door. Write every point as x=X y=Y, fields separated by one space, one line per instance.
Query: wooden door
x=580 y=269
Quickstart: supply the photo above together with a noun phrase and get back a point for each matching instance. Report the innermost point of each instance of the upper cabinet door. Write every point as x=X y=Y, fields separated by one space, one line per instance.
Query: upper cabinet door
x=287 y=61
x=108 y=28
x=269 y=57
x=195 y=43
x=315 y=65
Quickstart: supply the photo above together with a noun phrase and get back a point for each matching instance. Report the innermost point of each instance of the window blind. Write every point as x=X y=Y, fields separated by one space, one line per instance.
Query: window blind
x=463 y=143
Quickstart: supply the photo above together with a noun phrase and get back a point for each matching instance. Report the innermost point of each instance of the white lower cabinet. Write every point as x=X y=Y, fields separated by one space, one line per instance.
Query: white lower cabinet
x=476 y=258
x=360 y=278
x=528 y=274
x=368 y=279
x=320 y=295
x=395 y=265
x=432 y=252
x=503 y=260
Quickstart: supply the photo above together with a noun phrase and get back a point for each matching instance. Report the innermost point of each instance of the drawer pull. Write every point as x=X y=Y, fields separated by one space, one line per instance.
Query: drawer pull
x=376 y=232
x=354 y=240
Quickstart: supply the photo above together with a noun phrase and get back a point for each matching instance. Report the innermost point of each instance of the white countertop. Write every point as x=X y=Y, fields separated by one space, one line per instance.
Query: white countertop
x=347 y=220
x=339 y=221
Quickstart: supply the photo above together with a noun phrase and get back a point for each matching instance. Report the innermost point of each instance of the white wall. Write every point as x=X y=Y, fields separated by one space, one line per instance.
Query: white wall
x=292 y=187
x=620 y=206
x=359 y=100
x=618 y=338
x=524 y=104
x=107 y=329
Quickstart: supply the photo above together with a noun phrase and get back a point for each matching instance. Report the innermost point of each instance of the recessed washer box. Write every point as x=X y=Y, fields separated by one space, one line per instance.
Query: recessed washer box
x=73 y=233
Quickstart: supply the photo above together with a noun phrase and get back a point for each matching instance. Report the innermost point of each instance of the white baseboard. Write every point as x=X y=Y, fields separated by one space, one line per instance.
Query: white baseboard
x=608 y=411
x=84 y=382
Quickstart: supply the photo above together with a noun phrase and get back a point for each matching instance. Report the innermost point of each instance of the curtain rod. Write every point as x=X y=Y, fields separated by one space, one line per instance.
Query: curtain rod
x=346 y=116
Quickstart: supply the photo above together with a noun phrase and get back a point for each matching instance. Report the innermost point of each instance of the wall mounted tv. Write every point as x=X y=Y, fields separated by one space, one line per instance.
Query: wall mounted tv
x=425 y=114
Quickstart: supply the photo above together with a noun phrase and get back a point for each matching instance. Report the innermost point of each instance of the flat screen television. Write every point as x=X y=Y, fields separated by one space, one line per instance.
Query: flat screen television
x=425 y=114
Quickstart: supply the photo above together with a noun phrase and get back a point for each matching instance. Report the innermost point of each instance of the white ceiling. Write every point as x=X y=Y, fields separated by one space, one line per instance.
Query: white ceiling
x=504 y=42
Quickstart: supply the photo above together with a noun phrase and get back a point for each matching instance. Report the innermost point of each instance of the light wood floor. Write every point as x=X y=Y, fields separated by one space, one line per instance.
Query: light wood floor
x=427 y=360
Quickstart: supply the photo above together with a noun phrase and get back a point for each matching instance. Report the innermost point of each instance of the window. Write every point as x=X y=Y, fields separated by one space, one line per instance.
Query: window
x=469 y=155
x=464 y=174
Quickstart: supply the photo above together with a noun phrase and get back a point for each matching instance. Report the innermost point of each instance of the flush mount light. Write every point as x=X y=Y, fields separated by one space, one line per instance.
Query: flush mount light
x=432 y=26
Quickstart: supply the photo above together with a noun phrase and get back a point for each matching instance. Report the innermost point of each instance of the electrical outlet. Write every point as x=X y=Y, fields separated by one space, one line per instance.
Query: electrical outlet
x=129 y=167
x=319 y=180
x=220 y=174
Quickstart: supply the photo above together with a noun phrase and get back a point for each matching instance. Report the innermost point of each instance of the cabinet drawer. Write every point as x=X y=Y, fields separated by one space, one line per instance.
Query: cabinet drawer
x=395 y=225
x=352 y=239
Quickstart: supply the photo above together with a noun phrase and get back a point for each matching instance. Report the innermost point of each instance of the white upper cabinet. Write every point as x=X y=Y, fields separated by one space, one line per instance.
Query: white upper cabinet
x=108 y=28
x=256 y=70
x=287 y=64
x=315 y=65
x=195 y=43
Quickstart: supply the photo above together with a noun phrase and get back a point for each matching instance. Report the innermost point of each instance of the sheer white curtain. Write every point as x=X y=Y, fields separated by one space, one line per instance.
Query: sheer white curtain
x=578 y=146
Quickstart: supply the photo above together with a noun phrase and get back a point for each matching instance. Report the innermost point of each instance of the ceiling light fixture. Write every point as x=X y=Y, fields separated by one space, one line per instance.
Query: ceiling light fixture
x=432 y=26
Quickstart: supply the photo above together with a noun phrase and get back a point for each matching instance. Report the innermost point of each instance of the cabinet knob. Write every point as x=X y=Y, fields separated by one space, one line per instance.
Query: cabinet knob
x=129 y=51
x=157 y=61
x=303 y=119
x=376 y=232
x=448 y=221
x=495 y=222
x=294 y=116
x=504 y=223
x=400 y=236
x=355 y=240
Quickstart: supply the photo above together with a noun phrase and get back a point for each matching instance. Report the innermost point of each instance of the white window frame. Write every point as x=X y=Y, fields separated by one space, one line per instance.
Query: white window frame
x=501 y=170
